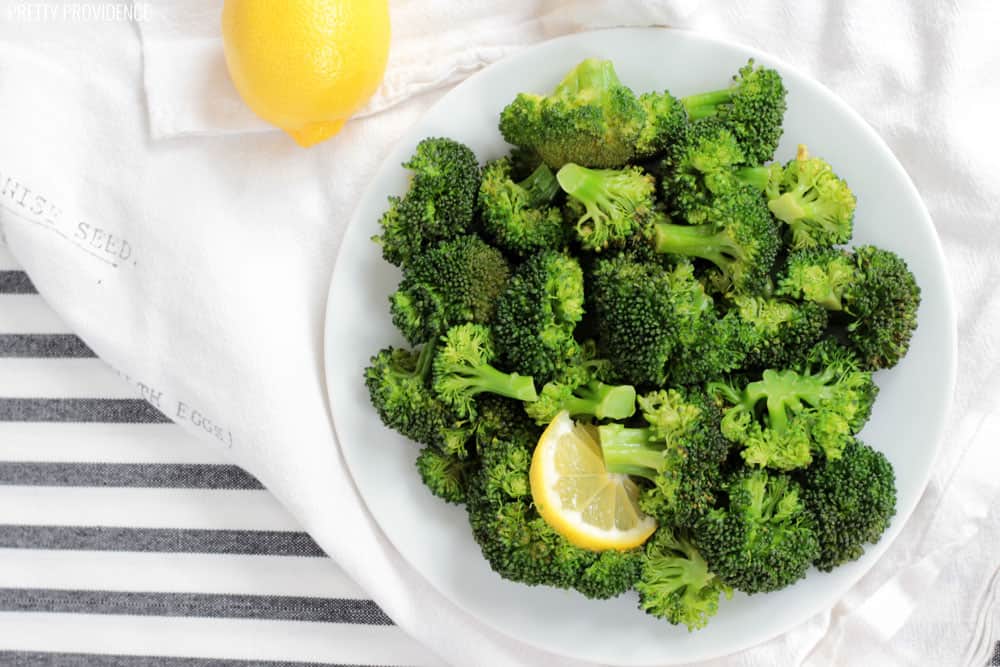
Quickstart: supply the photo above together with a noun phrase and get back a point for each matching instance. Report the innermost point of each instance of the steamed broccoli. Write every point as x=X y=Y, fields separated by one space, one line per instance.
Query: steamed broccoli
x=517 y=542
x=520 y=216
x=814 y=202
x=462 y=370
x=590 y=118
x=752 y=108
x=580 y=390
x=665 y=121
x=706 y=161
x=873 y=290
x=453 y=282
x=537 y=313
x=851 y=500
x=803 y=410
x=439 y=204
x=777 y=333
x=680 y=451
x=615 y=203
x=762 y=539
x=676 y=584
x=656 y=324
x=741 y=240
x=446 y=475
x=398 y=384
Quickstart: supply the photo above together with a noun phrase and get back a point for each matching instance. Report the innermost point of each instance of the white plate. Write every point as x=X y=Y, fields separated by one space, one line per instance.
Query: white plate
x=907 y=423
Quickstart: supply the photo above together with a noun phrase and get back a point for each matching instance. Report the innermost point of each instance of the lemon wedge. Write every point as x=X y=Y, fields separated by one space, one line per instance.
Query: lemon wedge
x=578 y=497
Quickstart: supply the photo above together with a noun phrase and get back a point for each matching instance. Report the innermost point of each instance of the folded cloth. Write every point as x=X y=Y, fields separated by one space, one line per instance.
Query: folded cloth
x=191 y=247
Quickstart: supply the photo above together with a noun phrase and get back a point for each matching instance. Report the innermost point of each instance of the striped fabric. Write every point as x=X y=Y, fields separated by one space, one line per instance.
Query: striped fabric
x=126 y=543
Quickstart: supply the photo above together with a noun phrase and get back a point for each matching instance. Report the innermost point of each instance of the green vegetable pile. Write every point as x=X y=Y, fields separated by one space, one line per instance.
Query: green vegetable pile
x=639 y=261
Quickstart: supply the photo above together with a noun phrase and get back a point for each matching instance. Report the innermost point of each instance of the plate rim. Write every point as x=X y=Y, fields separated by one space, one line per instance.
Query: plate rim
x=949 y=347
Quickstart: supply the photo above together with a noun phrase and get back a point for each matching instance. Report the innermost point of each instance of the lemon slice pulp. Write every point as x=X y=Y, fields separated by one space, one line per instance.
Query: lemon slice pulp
x=578 y=497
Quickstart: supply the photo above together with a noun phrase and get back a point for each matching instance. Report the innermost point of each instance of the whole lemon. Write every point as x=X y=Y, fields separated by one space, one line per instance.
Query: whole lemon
x=306 y=65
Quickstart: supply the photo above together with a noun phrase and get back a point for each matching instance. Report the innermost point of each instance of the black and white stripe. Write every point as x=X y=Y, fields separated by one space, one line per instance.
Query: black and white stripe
x=124 y=543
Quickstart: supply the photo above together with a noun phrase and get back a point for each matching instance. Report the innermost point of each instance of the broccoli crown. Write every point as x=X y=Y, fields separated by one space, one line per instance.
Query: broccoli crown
x=537 y=313
x=518 y=216
x=752 y=108
x=455 y=281
x=676 y=584
x=439 y=204
x=446 y=475
x=820 y=275
x=680 y=450
x=741 y=240
x=399 y=387
x=852 y=500
x=590 y=118
x=814 y=202
x=633 y=310
x=665 y=121
x=872 y=288
x=883 y=305
x=777 y=332
x=803 y=411
x=616 y=203
x=762 y=539
x=517 y=542
x=462 y=370
x=695 y=163
x=500 y=416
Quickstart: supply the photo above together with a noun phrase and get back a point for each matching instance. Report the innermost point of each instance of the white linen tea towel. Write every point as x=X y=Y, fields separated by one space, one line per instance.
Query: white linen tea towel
x=191 y=247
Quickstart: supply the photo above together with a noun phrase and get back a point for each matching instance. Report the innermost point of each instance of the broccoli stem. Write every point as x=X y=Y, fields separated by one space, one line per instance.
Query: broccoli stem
x=587 y=185
x=603 y=401
x=630 y=451
x=755 y=177
x=489 y=379
x=541 y=185
x=704 y=105
x=784 y=391
x=788 y=207
x=702 y=241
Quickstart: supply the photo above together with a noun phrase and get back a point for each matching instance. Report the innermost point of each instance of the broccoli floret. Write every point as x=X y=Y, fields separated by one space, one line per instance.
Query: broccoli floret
x=706 y=345
x=814 y=202
x=705 y=161
x=665 y=121
x=633 y=314
x=616 y=202
x=580 y=390
x=752 y=108
x=656 y=324
x=439 y=204
x=517 y=542
x=446 y=475
x=804 y=411
x=872 y=288
x=592 y=399
x=398 y=384
x=680 y=451
x=537 y=313
x=820 y=275
x=519 y=216
x=741 y=240
x=590 y=118
x=763 y=539
x=462 y=370
x=777 y=332
x=455 y=281
x=676 y=584
x=852 y=501
x=499 y=416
